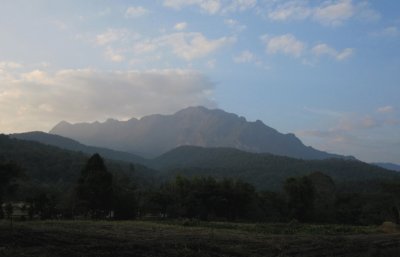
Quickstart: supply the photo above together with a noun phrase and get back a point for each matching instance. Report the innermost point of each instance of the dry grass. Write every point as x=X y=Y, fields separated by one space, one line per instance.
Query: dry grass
x=145 y=238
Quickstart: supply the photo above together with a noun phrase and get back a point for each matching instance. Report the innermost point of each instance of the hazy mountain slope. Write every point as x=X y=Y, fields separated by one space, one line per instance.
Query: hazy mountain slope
x=55 y=166
x=388 y=166
x=265 y=171
x=156 y=134
x=69 y=144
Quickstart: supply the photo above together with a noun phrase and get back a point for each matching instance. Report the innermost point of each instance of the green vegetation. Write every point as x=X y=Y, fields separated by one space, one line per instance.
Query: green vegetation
x=187 y=215
x=264 y=171
x=64 y=184
x=94 y=191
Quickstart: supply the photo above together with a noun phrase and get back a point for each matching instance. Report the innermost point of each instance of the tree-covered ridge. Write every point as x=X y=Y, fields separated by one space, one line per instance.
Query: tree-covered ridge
x=265 y=171
x=52 y=165
x=94 y=187
x=70 y=144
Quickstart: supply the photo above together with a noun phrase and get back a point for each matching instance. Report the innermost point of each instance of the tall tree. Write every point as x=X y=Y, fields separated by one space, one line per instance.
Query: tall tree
x=301 y=195
x=95 y=189
x=8 y=173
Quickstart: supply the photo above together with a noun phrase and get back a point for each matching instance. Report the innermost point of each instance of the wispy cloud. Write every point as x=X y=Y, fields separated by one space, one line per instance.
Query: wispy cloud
x=330 y=13
x=235 y=25
x=187 y=46
x=10 y=65
x=390 y=32
x=136 y=12
x=385 y=109
x=213 y=6
x=111 y=35
x=209 y=6
x=38 y=100
x=114 y=55
x=346 y=123
x=334 y=13
x=324 y=49
x=244 y=57
x=286 y=44
x=180 y=26
x=194 y=45
x=291 y=10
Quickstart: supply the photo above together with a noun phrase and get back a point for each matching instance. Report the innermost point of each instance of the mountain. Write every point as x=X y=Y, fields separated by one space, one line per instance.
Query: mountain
x=69 y=144
x=265 y=171
x=153 y=135
x=387 y=165
x=50 y=165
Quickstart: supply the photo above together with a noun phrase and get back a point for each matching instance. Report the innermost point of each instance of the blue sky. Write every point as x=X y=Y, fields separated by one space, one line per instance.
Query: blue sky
x=328 y=70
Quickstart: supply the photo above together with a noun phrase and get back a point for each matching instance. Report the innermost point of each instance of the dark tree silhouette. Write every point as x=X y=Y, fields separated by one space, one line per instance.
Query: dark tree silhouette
x=300 y=193
x=8 y=173
x=95 y=190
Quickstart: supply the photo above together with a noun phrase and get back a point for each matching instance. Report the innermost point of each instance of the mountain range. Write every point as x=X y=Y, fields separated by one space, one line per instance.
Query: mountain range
x=388 y=165
x=45 y=163
x=156 y=134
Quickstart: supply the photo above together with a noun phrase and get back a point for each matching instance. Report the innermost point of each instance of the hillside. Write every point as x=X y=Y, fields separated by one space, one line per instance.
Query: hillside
x=265 y=171
x=69 y=144
x=45 y=164
x=53 y=165
x=153 y=135
x=388 y=166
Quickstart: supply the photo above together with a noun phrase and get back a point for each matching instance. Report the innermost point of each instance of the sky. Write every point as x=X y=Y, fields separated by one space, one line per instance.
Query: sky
x=326 y=70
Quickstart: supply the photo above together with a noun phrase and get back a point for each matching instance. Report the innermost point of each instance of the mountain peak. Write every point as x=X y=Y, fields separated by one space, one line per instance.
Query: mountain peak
x=198 y=126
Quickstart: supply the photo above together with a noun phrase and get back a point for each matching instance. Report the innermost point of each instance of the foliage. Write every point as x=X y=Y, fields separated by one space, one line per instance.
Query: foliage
x=301 y=195
x=8 y=173
x=264 y=171
x=94 y=190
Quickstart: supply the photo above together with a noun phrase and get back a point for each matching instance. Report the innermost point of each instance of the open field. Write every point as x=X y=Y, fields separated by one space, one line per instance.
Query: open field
x=187 y=238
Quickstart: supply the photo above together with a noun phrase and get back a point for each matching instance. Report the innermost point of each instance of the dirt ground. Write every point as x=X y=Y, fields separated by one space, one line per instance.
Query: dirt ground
x=120 y=239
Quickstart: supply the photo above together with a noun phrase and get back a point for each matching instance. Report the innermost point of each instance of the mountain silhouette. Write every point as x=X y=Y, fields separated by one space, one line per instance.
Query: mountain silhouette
x=156 y=134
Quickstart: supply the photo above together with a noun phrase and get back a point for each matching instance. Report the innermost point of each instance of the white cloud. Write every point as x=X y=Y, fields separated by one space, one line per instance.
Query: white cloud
x=329 y=12
x=286 y=44
x=235 y=25
x=38 y=100
x=10 y=65
x=113 y=55
x=292 y=10
x=385 y=109
x=239 y=5
x=193 y=45
x=391 y=31
x=334 y=13
x=145 y=46
x=213 y=6
x=120 y=45
x=180 y=26
x=324 y=49
x=209 y=6
x=244 y=57
x=136 y=12
x=111 y=35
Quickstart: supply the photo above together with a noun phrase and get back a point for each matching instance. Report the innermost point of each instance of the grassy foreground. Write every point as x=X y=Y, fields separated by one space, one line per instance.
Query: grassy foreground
x=187 y=238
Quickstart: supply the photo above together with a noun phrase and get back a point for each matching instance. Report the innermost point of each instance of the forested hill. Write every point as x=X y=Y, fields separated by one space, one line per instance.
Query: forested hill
x=45 y=164
x=265 y=171
x=53 y=165
x=70 y=144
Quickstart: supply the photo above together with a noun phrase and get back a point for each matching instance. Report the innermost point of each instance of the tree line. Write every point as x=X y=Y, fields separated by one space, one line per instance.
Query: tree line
x=101 y=194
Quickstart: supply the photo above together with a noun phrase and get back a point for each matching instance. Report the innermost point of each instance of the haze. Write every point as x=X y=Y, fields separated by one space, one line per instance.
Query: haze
x=327 y=71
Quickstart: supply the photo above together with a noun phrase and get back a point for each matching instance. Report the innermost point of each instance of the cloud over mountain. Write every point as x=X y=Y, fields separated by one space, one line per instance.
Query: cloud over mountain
x=37 y=97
